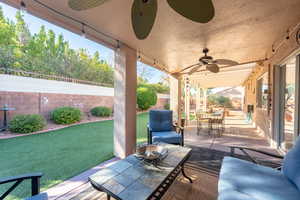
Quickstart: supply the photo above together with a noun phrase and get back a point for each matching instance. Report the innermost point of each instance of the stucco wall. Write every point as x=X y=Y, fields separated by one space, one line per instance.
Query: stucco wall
x=264 y=118
x=261 y=116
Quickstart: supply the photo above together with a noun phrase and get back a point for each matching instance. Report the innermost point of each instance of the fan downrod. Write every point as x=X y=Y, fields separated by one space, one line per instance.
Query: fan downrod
x=205 y=51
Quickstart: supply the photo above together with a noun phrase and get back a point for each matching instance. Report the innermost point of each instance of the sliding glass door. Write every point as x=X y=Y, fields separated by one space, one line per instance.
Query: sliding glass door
x=289 y=105
x=288 y=99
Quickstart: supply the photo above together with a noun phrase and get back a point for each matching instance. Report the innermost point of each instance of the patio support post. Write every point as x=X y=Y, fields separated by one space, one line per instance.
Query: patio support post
x=187 y=100
x=198 y=99
x=125 y=101
x=205 y=99
x=175 y=98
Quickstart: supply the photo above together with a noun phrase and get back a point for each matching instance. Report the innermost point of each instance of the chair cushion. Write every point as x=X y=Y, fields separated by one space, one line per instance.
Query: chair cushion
x=291 y=164
x=242 y=180
x=42 y=196
x=161 y=120
x=234 y=195
x=170 y=137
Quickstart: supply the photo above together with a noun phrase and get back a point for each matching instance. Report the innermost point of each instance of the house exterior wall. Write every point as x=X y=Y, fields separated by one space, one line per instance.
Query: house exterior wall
x=261 y=116
x=264 y=118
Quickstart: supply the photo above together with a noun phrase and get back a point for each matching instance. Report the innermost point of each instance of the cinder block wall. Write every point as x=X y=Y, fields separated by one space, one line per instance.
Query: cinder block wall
x=44 y=103
x=37 y=96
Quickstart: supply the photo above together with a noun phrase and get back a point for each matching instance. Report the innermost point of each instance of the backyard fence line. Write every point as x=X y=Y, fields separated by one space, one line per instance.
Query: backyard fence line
x=5 y=70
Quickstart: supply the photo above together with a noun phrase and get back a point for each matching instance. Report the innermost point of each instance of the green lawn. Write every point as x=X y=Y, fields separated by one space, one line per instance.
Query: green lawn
x=60 y=154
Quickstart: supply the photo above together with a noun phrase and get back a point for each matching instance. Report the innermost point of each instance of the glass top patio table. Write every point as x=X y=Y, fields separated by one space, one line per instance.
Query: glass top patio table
x=135 y=179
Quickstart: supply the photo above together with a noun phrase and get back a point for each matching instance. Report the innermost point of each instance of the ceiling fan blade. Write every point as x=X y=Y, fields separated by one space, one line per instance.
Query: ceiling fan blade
x=213 y=68
x=80 y=5
x=225 y=62
x=188 y=67
x=196 y=10
x=143 y=14
x=195 y=69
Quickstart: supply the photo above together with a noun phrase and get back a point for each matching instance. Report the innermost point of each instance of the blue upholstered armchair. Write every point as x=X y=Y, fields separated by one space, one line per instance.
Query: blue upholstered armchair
x=243 y=180
x=162 y=129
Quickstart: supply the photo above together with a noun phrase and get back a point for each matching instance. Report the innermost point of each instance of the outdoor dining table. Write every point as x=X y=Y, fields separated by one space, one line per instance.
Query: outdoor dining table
x=211 y=119
x=135 y=179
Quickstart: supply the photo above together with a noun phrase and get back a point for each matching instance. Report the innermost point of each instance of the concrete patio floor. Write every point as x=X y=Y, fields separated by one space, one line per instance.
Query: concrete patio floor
x=238 y=132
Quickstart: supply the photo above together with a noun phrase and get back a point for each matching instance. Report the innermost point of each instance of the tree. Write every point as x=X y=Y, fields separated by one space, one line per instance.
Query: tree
x=144 y=72
x=48 y=53
x=219 y=101
x=22 y=30
x=146 y=97
x=7 y=32
x=7 y=57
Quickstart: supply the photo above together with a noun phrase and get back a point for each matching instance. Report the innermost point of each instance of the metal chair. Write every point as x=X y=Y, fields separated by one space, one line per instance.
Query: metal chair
x=219 y=124
x=35 y=185
x=202 y=119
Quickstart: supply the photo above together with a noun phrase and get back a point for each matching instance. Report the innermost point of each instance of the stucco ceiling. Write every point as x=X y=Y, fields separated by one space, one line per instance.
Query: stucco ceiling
x=242 y=30
x=227 y=77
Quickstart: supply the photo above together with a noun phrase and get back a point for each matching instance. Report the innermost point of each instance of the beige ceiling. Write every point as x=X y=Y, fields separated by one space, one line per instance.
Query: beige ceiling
x=227 y=77
x=241 y=30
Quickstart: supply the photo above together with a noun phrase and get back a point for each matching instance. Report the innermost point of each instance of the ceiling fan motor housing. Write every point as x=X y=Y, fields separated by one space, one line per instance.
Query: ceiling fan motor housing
x=205 y=50
x=206 y=59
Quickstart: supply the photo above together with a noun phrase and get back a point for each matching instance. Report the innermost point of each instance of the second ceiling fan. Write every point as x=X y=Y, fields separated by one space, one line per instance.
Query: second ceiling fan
x=143 y=12
x=209 y=63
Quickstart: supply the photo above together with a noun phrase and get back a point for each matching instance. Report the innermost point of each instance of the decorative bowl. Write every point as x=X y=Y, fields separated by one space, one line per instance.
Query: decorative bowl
x=140 y=150
x=151 y=152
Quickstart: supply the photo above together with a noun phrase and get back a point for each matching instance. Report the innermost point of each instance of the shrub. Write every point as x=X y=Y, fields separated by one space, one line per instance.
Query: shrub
x=146 y=97
x=167 y=106
x=101 y=111
x=219 y=101
x=157 y=87
x=27 y=123
x=66 y=115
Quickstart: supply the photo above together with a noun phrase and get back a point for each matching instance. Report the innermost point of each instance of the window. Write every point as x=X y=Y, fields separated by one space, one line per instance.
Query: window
x=262 y=91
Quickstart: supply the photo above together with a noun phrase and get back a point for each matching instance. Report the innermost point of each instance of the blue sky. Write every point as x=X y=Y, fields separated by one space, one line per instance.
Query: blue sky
x=76 y=41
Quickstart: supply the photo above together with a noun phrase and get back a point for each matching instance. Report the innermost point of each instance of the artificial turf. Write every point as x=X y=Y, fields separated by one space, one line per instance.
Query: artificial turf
x=60 y=154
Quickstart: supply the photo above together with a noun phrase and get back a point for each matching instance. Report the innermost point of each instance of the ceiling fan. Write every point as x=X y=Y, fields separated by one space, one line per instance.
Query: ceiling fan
x=143 y=12
x=209 y=63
